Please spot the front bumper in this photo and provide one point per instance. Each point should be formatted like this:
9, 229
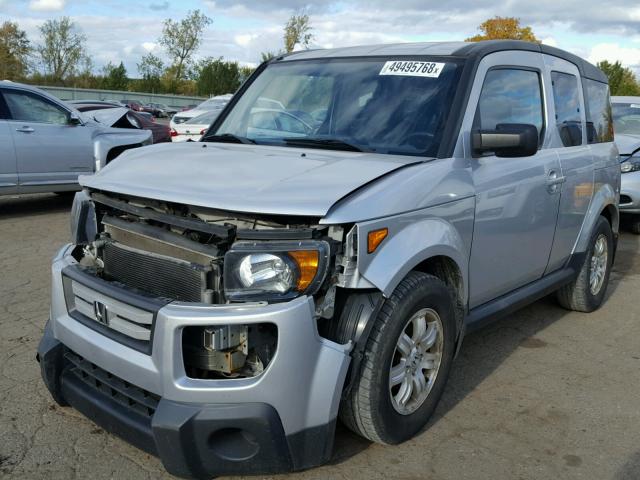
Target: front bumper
279, 421
630, 193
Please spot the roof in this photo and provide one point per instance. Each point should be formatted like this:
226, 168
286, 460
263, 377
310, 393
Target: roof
470, 50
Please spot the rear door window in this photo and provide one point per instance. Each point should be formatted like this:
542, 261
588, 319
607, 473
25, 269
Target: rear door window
599, 116
510, 96
566, 100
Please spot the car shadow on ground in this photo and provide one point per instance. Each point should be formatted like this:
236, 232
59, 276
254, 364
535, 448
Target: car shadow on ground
13, 206
485, 350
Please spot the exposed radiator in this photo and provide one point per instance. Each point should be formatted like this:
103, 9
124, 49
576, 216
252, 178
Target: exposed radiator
157, 274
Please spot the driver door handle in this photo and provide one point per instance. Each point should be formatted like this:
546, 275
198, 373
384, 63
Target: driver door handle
25, 129
553, 180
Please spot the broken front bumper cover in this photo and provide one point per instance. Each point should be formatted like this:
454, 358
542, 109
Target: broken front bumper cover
281, 420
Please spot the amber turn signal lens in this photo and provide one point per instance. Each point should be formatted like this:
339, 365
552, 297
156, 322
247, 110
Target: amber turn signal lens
307, 262
375, 238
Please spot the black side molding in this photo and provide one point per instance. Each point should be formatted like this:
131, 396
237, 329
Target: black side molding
491, 311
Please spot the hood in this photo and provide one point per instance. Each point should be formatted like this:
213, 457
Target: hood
627, 144
106, 116
244, 178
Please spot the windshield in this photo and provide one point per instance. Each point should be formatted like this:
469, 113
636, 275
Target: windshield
379, 105
626, 118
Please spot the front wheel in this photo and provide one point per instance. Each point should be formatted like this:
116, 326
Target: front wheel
586, 292
406, 362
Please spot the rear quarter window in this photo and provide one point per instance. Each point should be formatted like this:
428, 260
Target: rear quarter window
566, 99
599, 116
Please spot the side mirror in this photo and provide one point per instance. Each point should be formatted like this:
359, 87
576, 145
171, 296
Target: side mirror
507, 140
74, 119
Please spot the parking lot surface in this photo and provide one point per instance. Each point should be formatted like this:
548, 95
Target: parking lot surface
544, 393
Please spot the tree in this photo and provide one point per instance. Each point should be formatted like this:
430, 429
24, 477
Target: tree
151, 68
15, 49
265, 56
245, 72
503, 28
86, 78
62, 49
622, 81
297, 31
182, 38
216, 76
115, 77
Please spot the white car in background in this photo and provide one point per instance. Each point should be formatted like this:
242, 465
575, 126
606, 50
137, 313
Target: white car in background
194, 128
214, 103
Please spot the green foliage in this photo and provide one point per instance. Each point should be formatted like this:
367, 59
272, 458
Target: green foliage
245, 72
622, 81
151, 68
266, 56
503, 28
115, 77
181, 39
216, 76
15, 50
297, 31
62, 49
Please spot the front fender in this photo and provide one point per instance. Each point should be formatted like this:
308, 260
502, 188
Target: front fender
443, 230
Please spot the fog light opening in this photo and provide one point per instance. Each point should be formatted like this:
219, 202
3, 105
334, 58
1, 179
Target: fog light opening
228, 351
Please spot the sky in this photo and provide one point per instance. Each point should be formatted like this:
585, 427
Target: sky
125, 30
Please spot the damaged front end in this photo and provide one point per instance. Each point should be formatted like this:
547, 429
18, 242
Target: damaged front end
195, 255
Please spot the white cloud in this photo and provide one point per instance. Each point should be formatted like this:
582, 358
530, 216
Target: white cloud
245, 40
628, 56
550, 41
149, 46
46, 5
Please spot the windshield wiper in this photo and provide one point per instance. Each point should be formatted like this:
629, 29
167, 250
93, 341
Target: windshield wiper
229, 138
321, 142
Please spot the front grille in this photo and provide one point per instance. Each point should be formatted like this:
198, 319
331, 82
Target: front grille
126, 319
134, 398
156, 274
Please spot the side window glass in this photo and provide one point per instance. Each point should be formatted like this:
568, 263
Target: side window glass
510, 96
599, 116
567, 103
31, 108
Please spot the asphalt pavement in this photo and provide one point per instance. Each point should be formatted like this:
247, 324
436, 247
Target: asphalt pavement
543, 394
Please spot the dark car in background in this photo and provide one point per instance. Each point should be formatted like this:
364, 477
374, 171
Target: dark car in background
154, 110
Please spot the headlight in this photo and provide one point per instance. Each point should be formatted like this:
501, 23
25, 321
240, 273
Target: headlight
274, 270
84, 226
630, 164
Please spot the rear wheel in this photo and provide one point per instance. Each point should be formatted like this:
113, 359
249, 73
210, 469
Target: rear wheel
634, 224
406, 362
586, 292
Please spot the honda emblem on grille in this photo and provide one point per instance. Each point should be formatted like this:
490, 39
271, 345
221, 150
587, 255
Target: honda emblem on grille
101, 312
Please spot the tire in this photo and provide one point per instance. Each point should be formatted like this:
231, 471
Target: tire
634, 225
578, 295
368, 408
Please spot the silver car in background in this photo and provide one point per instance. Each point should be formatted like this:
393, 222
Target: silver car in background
626, 120
46, 144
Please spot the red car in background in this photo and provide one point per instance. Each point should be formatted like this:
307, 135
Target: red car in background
133, 105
